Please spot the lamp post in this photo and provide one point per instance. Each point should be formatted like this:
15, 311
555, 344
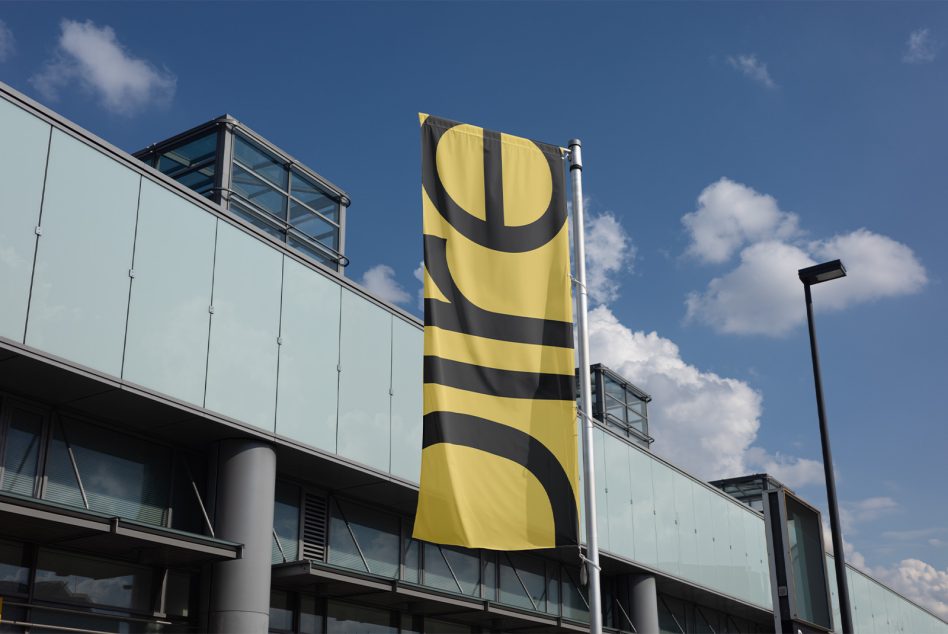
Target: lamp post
810, 276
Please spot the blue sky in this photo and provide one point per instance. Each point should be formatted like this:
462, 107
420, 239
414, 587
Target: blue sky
725, 146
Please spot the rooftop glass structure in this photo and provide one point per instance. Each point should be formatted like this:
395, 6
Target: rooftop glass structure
258, 182
749, 489
620, 406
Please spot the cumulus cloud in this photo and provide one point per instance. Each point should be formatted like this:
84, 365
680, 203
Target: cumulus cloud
609, 252
729, 215
792, 471
419, 274
752, 68
92, 57
380, 281
919, 581
762, 294
701, 421
7, 42
920, 47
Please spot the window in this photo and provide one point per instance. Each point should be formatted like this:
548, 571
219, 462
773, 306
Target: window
14, 569
121, 475
77, 579
193, 163
21, 449
286, 522
363, 539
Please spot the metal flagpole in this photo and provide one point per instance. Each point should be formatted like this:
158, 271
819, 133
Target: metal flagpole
582, 349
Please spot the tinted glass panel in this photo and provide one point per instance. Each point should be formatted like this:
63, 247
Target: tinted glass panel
522, 581
70, 578
14, 569
200, 180
377, 534
260, 161
313, 225
189, 154
407, 347
257, 219
311, 617
343, 618
166, 347
437, 573
21, 189
80, 290
286, 521
281, 612
258, 192
806, 564
122, 475
21, 450
307, 191
312, 251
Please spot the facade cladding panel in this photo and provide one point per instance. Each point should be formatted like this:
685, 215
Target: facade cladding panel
198, 330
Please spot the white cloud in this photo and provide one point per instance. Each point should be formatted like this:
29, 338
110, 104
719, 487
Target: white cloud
609, 252
380, 281
762, 295
701, 421
752, 68
730, 215
919, 581
93, 57
920, 47
792, 471
7, 42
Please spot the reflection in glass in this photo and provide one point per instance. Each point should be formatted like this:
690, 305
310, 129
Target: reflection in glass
14, 569
122, 475
376, 538
184, 157
344, 618
311, 618
281, 612
70, 578
21, 451
806, 563
260, 161
286, 521
258, 192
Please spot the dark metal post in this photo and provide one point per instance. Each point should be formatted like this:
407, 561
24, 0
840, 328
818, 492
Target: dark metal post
839, 558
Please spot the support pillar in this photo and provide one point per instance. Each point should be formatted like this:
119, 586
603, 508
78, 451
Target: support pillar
638, 598
243, 488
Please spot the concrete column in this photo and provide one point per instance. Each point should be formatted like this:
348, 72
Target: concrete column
638, 596
243, 488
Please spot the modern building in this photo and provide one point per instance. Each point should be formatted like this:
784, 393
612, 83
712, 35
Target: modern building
204, 426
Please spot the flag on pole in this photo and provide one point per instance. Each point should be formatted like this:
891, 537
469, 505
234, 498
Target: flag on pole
499, 461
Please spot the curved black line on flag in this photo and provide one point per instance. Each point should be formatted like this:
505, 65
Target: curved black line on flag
462, 315
502, 383
492, 233
516, 446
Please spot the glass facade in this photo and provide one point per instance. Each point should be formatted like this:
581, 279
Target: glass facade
620, 406
257, 183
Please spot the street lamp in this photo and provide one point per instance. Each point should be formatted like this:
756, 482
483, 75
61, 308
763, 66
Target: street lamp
810, 276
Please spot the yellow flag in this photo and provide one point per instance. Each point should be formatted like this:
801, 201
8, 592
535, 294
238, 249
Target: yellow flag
499, 463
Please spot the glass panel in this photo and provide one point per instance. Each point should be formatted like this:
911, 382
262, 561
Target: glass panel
80, 289
377, 535
311, 250
522, 578
242, 364
621, 531
643, 511
407, 343
687, 533
343, 618
21, 450
309, 357
412, 550
705, 573
575, 606
200, 180
602, 501
166, 347
466, 567
21, 191
70, 578
806, 563
364, 382
437, 573
188, 154
314, 226
186, 513
122, 475
286, 522
256, 218
260, 161
738, 567
281, 612
178, 593
666, 523
307, 191
258, 192
311, 616
342, 547
14, 569
444, 627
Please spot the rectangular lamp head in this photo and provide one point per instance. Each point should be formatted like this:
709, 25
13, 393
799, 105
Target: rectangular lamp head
822, 272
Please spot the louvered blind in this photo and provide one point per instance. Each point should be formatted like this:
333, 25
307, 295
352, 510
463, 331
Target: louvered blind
315, 525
